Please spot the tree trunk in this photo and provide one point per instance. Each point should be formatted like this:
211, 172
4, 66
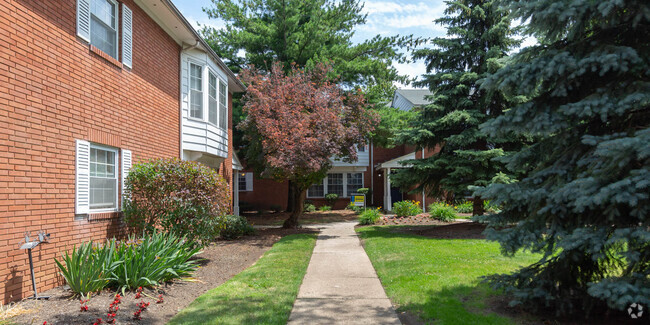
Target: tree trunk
298, 200
290, 197
478, 209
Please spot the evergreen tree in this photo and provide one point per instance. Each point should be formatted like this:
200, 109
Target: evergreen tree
304, 33
584, 201
478, 34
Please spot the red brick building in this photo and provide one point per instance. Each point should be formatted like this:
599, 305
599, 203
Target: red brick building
87, 88
371, 170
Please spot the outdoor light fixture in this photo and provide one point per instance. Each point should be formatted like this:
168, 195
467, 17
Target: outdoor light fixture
29, 245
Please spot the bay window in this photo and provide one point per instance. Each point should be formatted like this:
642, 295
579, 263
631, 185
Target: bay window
223, 105
196, 91
212, 99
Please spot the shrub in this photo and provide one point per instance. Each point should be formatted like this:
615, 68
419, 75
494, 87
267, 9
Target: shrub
406, 208
88, 268
325, 208
363, 190
137, 262
465, 207
235, 227
354, 208
308, 207
331, 198
490, 208
152, 260
443, 212
369, 217
183, 197
276, 207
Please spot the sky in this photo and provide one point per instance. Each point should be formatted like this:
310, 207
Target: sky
385, 17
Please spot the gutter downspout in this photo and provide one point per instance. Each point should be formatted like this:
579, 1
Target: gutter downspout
372, 174
424, 198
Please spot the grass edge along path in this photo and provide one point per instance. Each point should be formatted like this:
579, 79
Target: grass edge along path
438, 279
262, 294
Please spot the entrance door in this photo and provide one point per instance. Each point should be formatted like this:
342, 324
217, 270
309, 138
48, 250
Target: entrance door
396, 195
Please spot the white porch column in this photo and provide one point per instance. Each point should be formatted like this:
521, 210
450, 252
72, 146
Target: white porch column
235, 194
388, 204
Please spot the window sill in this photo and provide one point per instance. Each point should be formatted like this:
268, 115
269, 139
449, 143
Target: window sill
196, 119
103, 215
217, 126
105, 56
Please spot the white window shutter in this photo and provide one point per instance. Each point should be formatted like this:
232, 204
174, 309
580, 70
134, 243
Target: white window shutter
82, 190
83, 19
249, 182
127, 36
127, 162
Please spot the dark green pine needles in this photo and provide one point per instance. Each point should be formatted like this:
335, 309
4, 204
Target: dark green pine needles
584, 201
478, 35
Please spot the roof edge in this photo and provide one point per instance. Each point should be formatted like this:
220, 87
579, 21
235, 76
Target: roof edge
204, 44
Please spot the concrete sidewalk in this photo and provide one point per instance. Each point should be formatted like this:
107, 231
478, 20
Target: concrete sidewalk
341, 286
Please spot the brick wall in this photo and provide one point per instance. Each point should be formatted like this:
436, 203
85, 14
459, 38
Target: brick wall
53, 90
266, 192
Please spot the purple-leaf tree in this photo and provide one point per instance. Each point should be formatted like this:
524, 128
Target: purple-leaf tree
296, 121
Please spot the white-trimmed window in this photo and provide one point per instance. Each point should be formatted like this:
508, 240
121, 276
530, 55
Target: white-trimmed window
103, 178
316, 190
354, 181
98, 177
223, 105
196, 91
212, 99
103, 26
343, 184
361, 148
335, 184
245, 182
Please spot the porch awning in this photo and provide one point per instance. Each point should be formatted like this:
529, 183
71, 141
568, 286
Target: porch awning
236, 164
395, 163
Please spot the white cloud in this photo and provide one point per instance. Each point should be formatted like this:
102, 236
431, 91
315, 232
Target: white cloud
205, 21
387, 16
413, 70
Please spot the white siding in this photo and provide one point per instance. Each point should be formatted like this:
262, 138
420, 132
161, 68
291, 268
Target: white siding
401, 103
200, 136
364, 160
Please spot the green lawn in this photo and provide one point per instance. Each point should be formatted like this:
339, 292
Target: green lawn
438, 279
262, 294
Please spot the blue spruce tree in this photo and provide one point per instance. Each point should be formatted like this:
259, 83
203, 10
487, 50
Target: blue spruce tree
584, 200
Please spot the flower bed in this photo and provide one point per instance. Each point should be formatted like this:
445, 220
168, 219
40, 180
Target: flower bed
420, 219
221, 261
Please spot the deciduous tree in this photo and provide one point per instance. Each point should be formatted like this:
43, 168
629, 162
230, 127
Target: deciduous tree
296, 121
305, 32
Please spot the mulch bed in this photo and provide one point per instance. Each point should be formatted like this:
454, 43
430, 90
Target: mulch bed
308, 218
456, 230
223, 260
